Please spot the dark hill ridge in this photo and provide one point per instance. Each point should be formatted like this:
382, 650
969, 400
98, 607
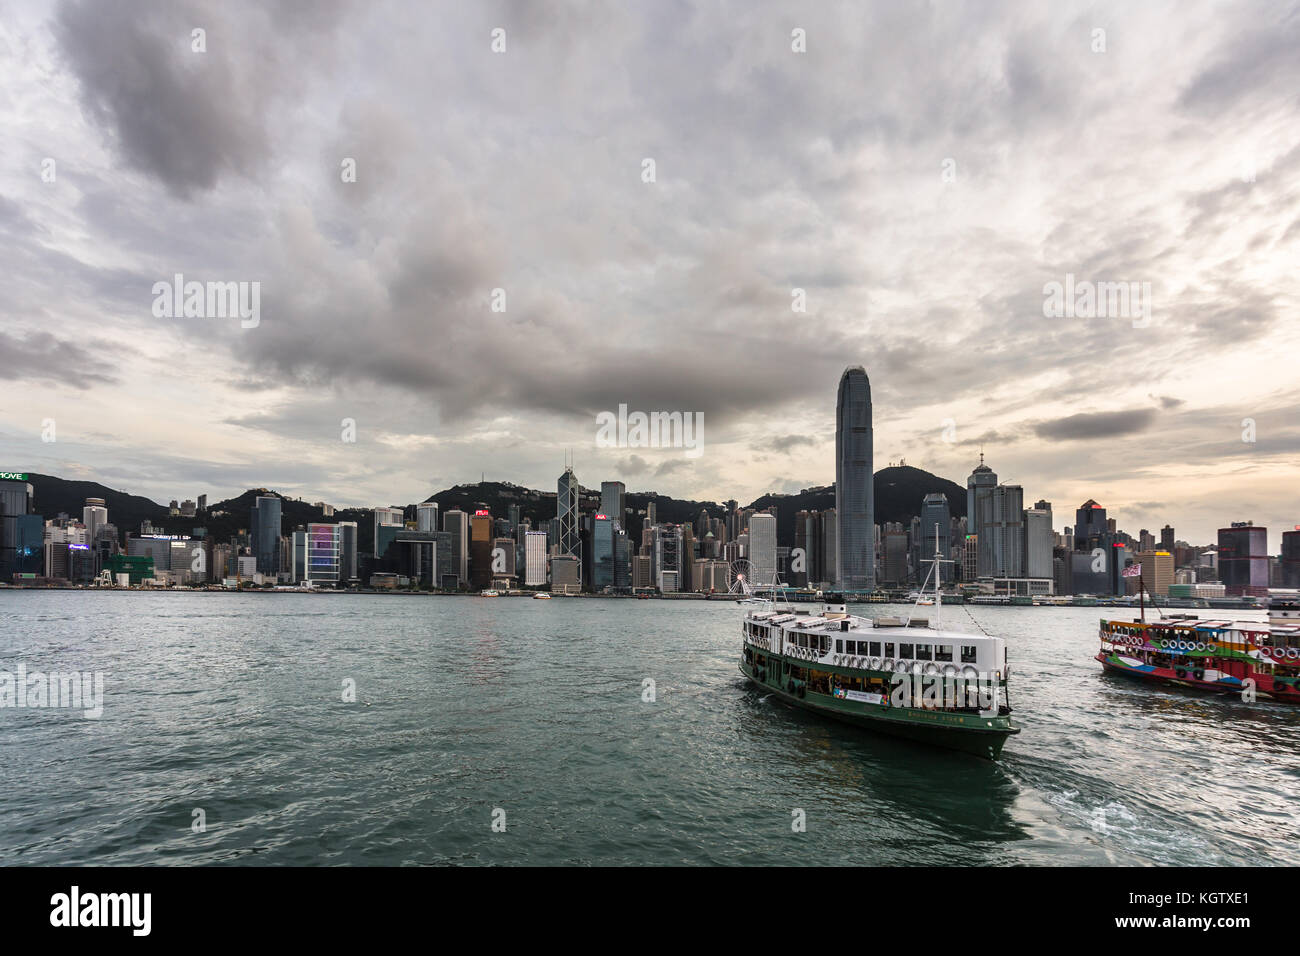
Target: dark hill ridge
497, 497
899, 492
55, 496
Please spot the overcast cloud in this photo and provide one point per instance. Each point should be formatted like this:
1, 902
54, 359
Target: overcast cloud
921, 172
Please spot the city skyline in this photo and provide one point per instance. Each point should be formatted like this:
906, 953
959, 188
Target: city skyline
920, 250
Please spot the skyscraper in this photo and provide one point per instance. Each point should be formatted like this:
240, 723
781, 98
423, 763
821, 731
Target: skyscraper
264, 533
667, 557
456, 523
854, 491
762, 549
480, 549
347, 551
1090, 525
613, 501
895, 564
934, 511
94, 515
602, 552
1038, 541
981, 481
426, 516
534, 558
1243, 559
1291, 558
566, 510
1002, 533
385, 518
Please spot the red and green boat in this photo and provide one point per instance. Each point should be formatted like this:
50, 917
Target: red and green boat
1248, 659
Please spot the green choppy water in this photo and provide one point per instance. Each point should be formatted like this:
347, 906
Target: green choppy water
232, 704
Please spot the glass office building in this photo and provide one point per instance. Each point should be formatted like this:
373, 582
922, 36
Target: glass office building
854, 489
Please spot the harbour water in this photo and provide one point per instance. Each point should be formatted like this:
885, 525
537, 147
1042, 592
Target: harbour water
233, 705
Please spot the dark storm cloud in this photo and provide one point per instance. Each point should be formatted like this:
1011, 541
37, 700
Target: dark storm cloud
1092, 425
42, 356
173, 113
185, 117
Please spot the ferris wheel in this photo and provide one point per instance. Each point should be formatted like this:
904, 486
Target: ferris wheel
742, 577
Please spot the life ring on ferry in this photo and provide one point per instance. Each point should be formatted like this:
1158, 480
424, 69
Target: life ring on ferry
950, 670
970, 672
900, 667
874, 664
931, 668
1198, 674
887, 664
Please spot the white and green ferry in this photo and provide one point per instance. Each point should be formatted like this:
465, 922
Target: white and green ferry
898, 676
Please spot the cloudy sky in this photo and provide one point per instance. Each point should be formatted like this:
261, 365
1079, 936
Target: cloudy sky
920, 171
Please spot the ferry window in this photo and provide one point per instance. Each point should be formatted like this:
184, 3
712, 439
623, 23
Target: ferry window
875, 648
904, 650
889, 649
922, 652
943, 652
968, 654
839, 647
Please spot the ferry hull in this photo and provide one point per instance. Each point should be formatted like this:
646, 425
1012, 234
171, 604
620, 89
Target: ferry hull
1168, 678
949, 731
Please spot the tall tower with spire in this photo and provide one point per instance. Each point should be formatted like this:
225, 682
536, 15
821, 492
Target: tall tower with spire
981, 482
855, 501
566, 510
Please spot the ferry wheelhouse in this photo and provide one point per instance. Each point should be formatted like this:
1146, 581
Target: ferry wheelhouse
898, 676
1219, 656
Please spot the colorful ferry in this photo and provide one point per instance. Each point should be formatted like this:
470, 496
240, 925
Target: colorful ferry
1219, 656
